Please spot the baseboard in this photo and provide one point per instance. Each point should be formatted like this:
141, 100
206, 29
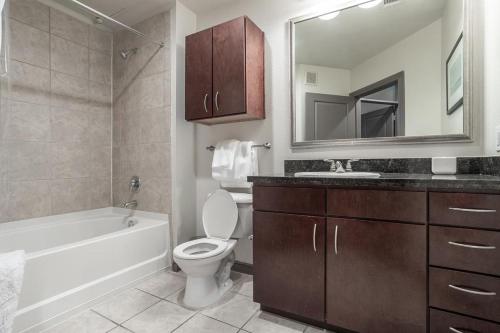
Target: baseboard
242, 267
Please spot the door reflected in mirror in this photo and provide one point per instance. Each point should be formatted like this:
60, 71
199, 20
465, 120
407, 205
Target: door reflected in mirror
391, 70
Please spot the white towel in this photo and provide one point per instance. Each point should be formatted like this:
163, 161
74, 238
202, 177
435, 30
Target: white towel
223, 161
245, 164
11, 279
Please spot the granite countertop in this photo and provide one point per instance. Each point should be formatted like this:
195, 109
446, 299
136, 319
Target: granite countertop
465, 182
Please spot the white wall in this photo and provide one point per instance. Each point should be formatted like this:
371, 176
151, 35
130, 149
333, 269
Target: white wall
452, 26
419, 56
183, 216
332, 81
272, 17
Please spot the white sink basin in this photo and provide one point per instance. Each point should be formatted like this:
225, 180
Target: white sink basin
329, 174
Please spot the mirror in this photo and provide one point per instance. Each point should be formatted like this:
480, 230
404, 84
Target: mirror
380, 71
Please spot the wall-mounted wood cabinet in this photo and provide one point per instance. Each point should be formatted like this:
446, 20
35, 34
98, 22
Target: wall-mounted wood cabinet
225, 73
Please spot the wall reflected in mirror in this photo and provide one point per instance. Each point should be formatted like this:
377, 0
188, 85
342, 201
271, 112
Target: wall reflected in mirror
395, 69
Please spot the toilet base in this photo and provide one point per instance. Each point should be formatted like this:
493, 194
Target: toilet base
204, 291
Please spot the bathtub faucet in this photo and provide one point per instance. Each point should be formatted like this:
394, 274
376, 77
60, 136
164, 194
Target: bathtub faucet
130, 204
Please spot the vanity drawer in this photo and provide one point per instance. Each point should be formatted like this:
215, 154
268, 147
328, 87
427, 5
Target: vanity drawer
465, 249
293, 200
375, 204
465, 209
441, 321
467, 293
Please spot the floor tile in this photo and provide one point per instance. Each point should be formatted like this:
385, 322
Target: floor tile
87, 322
203, 324
125, 305
264, 322
177, 297
233, 309
120, 329
243, 284
162, 317
162, 284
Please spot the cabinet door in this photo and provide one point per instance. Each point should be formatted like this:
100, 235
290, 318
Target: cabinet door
199, 75
376, 276
229, 68
289, 263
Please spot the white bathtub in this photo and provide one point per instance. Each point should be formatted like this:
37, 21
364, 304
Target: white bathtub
74, 259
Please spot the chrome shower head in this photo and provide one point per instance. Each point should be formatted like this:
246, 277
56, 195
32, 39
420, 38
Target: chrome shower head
126, 52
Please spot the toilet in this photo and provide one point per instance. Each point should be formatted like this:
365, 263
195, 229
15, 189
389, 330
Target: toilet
207, 261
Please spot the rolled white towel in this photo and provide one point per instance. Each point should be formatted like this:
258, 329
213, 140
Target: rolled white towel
11, 280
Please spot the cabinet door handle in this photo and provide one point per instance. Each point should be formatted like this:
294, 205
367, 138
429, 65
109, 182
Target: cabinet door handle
473, 246
217, 101
473, 291
461, 330
472, 210
205, 103
336, 239
314, 237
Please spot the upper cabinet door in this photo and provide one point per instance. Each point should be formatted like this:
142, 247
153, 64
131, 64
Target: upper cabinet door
199, 75
229, 68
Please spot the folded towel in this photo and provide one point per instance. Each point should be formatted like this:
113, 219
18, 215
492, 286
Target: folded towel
245, 164
223, 161
11, 279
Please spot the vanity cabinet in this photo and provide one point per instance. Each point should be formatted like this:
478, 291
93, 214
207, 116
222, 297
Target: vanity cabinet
289, 257
464, 257
225, 73
376, 276
343, 258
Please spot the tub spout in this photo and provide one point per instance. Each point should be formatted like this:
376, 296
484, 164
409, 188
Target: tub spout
130, 204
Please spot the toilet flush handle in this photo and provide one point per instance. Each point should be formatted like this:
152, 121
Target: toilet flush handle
250, 237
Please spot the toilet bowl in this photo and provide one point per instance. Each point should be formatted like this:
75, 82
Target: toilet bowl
207, 261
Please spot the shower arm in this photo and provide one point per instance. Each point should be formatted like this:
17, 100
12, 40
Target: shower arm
102, 15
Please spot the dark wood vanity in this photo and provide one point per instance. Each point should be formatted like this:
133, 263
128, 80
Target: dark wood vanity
375, 259
225, 73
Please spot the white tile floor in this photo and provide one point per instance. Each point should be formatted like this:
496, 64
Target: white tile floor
155, 305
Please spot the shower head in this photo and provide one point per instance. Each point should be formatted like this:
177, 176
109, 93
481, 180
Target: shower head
126, 52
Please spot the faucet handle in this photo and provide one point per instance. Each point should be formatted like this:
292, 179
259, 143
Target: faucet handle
348, 166
333, 167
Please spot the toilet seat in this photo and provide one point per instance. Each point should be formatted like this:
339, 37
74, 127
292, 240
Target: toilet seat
220, 216
200, 249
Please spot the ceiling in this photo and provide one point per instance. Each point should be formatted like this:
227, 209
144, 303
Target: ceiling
357, 34
132, 12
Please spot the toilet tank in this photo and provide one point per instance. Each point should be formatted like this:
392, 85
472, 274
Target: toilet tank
244, 225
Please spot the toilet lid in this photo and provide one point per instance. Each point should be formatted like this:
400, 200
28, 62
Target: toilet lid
220, 215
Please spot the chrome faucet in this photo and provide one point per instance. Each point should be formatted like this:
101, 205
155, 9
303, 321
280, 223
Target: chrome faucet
335, 166
130, 204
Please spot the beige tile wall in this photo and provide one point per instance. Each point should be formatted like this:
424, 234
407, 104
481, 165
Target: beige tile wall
141, 116
55, 116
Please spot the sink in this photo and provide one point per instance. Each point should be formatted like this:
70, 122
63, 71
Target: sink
329, 174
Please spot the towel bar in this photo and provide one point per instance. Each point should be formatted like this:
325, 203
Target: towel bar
266, 145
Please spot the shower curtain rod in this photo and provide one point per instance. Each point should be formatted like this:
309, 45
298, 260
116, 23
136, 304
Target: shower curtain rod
102, 15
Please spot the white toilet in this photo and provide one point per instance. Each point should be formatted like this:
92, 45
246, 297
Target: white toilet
207, 261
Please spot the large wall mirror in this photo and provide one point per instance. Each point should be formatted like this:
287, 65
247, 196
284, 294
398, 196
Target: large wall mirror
381, 71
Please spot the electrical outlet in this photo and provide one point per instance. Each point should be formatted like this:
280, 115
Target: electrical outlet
497, 135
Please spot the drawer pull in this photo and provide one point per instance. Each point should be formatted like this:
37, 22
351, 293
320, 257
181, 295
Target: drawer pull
336, 238
461, 330
314, 237
473, 246
473, 291
473, 210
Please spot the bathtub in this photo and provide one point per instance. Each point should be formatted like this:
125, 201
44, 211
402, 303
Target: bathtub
75, 259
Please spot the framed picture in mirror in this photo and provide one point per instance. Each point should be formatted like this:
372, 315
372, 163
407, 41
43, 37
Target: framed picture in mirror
455, 77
